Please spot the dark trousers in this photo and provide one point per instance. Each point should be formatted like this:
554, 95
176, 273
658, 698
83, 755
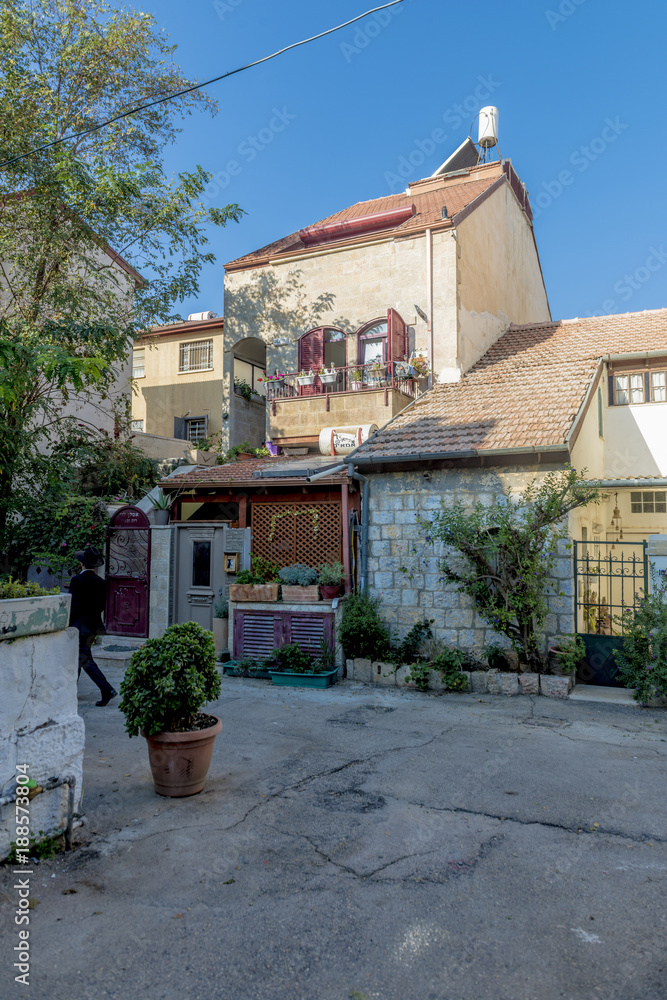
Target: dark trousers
87, 663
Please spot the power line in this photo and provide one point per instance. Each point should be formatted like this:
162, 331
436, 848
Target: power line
198, 86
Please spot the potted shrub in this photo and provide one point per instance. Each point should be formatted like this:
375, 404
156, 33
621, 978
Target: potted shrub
252, 586
221, 624
565, 657
305, 378
299, 583
291, 665
161, 507
331, 580
356, 378
165, 686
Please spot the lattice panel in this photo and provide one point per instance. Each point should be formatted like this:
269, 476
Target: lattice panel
290, 533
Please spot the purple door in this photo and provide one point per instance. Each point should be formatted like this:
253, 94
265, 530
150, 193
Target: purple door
128, 569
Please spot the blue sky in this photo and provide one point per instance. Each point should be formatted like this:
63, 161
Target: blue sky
579, 85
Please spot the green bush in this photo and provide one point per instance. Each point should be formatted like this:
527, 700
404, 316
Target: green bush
410, 648
298, 575
12, 588
571, 651
292, 659
450, 663
246, 576
331, 576
643, 660
221, 608
266, 569
169, 679
363, 631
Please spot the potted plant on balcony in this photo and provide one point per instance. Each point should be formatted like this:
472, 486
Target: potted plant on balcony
252, 586
328, 376
165, 686
299, 583
306, 378
221, 624
161, 507
331, 580
356, 378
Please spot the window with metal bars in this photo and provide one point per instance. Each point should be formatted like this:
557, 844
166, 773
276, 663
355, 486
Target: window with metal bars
648, 502
196, 428
195, 356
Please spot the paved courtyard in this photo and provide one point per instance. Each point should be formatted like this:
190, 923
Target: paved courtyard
367, 844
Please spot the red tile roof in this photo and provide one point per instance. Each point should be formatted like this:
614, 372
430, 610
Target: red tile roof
242, 473
428, 196
524, 393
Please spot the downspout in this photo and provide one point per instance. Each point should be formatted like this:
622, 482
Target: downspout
365, 502
429, 298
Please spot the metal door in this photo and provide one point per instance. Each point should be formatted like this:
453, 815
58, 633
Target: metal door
128, 573
200, 567
610, 577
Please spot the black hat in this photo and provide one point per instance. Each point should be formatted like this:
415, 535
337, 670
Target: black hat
90, 557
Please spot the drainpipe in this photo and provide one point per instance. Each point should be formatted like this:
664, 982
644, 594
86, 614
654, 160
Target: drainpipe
429, 298
70, 780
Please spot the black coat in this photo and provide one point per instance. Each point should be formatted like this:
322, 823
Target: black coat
88, 592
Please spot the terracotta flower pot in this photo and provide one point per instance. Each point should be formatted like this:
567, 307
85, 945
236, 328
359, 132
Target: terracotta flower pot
330, 590
180, 761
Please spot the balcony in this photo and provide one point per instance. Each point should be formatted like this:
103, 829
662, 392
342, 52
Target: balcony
300, 407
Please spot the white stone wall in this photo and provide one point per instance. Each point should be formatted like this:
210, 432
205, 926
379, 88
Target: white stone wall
40, 726
161, 581
404, 571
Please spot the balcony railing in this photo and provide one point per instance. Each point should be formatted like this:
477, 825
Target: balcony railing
399, 375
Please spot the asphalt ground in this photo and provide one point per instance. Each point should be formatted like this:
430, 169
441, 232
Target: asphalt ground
356, 843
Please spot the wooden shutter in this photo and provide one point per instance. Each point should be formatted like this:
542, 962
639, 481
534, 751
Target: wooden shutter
610, 384
397, 336
307, 632
179, 428
311, 355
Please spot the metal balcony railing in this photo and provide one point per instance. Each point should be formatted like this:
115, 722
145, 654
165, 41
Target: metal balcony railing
399, 375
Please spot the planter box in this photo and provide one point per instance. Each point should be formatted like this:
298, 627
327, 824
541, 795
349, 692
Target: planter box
297, 595
305, 379
234, 671
253, 591
356, 386
284, 678
555, 687
329, 379
33, 615
529, 683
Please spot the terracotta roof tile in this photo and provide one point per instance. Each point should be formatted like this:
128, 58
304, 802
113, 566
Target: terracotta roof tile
235, 473
525, 392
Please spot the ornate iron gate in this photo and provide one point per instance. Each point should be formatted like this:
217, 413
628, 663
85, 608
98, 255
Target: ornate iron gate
610, 577
128, 572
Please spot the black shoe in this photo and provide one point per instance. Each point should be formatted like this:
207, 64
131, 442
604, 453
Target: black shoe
106, 698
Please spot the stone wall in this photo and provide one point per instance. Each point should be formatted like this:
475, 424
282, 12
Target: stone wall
403, 570
39, 722
161, 582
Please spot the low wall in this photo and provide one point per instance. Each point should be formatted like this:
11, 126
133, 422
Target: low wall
39, 722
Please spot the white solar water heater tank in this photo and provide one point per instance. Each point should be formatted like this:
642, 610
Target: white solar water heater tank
488, 127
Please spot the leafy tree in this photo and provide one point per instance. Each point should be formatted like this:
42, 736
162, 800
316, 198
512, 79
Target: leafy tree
96, 243
508, 549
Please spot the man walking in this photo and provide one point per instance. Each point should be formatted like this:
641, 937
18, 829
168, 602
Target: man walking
88, 593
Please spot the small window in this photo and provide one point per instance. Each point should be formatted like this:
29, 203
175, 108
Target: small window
139, 363
196, 356
658, 387
196, 429
648, 502
138, 426
201, 564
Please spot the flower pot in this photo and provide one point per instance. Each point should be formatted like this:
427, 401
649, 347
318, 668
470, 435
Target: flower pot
330, 590
305, 379
180, 761
356, 385
161, 516
295, 594
284, 678
220, 633
329, 379
555, 668
253, 591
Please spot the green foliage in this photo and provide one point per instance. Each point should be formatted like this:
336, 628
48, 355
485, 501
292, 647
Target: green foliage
161, 501
247, 576
298, 575
242, 388
265, 569
43, 847
331, 576
245, 448
363, 631
643, 660
411, 645
57, 525
571, 651
290, 658
450, 663
419, 675
221, 608
169, 679
106, 465
508, 549
13, 588
496, 656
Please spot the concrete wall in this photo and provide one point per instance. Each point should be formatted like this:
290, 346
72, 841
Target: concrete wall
249, 419
500, 281
39, 721
396, 541
164, 392
162, 580
161, 448
305, 416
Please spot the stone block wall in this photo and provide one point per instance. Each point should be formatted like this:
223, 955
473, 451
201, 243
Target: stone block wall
161, 581
404, 572
39, 726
